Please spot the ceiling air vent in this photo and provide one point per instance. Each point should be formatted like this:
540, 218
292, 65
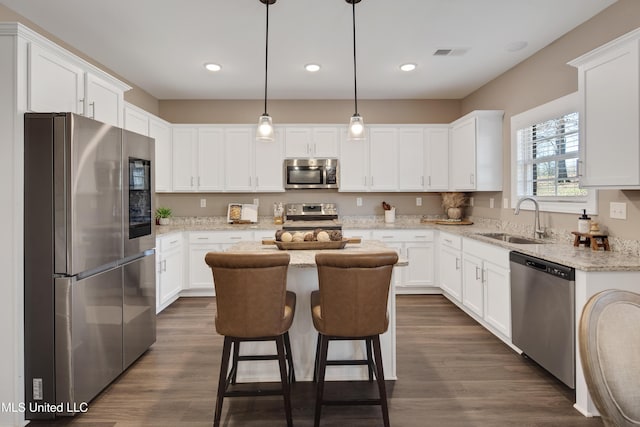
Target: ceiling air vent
451, 52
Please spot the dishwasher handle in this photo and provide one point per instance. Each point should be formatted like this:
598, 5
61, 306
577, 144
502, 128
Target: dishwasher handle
536, 265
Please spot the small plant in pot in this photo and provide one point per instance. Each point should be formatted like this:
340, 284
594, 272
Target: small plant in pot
453, 204
162, 216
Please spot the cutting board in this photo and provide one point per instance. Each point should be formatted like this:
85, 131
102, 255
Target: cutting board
239, 213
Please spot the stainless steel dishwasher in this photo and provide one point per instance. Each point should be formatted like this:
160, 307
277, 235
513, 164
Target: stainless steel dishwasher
543, 314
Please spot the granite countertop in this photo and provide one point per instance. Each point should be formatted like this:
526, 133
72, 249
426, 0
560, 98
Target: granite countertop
307, 258
558, 247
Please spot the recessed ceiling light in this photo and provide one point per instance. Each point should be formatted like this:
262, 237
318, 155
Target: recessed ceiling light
516, 46
408, 67
212, 67
312, 68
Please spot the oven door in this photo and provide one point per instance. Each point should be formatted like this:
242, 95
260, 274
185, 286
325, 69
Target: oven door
139, 224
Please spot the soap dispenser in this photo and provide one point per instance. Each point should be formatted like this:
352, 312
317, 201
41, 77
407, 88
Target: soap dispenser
584, 222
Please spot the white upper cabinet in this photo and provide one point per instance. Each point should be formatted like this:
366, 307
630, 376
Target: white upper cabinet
383, 158
411, 150
209, 159
136, 120
354, 165
103, 101
476, 152
252, 165
197, 157
161, 132
301, 142
609, 86
59, 81
55, 83
436, 151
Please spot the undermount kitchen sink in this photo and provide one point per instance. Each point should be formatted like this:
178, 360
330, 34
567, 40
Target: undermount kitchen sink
510, 238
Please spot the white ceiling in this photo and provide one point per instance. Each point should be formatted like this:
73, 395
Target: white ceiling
161, 45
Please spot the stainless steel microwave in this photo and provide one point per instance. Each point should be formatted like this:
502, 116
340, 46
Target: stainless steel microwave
310, 173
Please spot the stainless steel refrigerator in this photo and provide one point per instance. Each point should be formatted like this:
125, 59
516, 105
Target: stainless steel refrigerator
89, 258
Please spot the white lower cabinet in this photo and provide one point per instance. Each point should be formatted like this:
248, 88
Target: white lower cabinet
450, 265
486, 291
200, 243
417, 246
170, 277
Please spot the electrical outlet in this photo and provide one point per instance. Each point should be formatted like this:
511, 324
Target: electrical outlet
358, 201
256, 202
418, 201
203, 203
617, 210
492, 202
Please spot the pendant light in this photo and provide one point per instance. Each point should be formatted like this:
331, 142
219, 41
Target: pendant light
265, 124
355, 131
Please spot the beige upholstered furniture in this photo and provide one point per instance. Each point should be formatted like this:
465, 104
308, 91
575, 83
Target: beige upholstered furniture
610, 355
252, 305
351, 304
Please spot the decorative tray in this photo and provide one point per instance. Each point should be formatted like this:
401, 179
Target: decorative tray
338, 244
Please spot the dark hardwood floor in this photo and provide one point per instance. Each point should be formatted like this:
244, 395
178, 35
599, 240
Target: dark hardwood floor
451, 371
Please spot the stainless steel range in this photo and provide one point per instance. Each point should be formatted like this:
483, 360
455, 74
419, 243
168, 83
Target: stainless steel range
309, 216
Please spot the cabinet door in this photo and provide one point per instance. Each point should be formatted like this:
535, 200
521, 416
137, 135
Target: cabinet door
161, 132
104, 101
136, 121
210, 159
472, 285
383, 159
297, 142
354, 165
184, 149
325, 142
463, 155
238, 150
609, 126
268, 164
54, 83
498, 298
420, 270
200, 275
437, 159
451, 272
411, 159
171, 275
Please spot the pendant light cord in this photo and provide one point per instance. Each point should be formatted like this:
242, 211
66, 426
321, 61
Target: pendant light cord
266, 59
355, 81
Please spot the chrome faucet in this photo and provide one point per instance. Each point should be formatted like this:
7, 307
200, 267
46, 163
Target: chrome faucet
538, 232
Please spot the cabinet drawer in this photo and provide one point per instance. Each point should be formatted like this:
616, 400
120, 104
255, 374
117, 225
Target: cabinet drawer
403, 235
488, 252
169, 241
451, 240
205, 237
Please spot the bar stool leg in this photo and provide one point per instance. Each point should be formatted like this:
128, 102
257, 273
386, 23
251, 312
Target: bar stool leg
381, 385
283, 378
234, 363
369, 344
287, 347
317, 361
322, 367
222, 380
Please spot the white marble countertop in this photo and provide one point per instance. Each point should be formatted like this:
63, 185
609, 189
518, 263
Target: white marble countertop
307, 258
557, 248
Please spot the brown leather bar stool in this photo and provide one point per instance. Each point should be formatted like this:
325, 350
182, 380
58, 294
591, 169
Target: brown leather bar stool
253, 304
351, 304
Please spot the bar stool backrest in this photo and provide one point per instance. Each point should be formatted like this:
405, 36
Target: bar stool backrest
354, 289
250, 293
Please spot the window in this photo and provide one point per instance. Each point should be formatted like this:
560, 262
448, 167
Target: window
545, 157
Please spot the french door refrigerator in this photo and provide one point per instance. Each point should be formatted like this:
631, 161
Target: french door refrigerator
89, 259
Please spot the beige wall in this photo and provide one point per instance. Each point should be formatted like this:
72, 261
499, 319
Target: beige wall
136, 95
310, 111
542, 78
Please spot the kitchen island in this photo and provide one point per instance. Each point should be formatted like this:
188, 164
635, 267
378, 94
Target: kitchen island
302, 278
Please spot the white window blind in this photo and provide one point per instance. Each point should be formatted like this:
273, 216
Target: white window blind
547, 159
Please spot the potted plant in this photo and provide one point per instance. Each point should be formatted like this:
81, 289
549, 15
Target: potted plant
162, 216
453, 204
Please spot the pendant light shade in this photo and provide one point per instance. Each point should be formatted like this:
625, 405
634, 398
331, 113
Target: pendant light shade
265, 124
355, 131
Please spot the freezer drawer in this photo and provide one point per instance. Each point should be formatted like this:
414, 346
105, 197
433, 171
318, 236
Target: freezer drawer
139, 310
